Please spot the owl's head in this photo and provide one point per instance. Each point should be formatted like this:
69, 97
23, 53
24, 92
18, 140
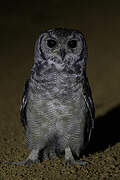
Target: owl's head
62, 49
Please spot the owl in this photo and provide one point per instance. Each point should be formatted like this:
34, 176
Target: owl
57, 109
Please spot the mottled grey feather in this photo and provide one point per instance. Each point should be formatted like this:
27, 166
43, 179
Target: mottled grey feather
90, 105
57, 109
23, 105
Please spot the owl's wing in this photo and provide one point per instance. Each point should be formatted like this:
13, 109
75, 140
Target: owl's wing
23, 105
90, 105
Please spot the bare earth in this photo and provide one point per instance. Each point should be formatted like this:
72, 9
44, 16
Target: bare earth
20, 25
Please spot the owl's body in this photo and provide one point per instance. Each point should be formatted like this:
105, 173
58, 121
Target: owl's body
57, 110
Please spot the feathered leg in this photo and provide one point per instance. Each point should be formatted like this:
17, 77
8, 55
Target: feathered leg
69, 159
32, 158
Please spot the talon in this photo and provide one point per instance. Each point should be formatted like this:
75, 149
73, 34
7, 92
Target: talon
69, 159
25, 162
69, 162
80, 162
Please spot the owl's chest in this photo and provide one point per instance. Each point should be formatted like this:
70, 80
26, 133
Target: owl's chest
56, 101
57, 93
58, 85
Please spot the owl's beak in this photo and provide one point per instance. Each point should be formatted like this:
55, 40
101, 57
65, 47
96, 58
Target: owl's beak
62, 53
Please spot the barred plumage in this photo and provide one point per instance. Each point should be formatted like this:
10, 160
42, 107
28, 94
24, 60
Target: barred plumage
57, 109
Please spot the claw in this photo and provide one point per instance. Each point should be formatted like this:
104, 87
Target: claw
69, 159
80, 162
69, 162
25, 162
32, 158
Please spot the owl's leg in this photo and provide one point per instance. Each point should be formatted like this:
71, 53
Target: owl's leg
49, 153
52, 154
45, 155
69, 159
32, 158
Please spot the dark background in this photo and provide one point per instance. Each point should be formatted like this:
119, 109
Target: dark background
20, 25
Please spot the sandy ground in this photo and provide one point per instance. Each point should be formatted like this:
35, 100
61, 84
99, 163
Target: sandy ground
20, 25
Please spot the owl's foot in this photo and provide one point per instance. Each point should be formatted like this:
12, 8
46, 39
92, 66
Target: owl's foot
25, 162
69, 159
81, 162
52, 154
49, 154
32, 158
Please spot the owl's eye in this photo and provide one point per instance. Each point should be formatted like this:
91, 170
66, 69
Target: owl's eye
72, 44
51, 43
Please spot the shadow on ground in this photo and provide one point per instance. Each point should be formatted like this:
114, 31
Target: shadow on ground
106, 132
